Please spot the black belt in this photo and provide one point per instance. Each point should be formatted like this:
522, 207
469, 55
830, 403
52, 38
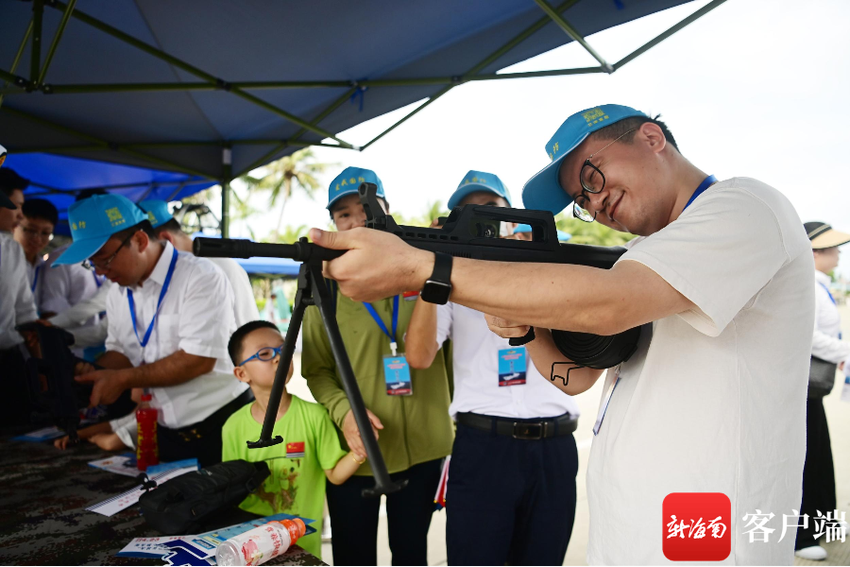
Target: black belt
537, 428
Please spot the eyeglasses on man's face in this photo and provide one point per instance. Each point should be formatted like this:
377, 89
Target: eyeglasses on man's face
91, 264
34, 233
592, 181
265, 354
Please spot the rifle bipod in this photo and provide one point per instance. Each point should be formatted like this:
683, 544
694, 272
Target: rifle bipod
313, 291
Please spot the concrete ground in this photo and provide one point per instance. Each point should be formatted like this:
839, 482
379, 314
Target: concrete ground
838, 416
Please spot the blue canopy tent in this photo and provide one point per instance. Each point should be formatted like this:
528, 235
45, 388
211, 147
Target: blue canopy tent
59, 179
270, 266
217, 88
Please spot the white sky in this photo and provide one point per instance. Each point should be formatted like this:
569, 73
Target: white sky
756, 88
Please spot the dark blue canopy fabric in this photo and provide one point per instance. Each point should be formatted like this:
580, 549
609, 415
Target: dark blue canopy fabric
223, 42
59, 179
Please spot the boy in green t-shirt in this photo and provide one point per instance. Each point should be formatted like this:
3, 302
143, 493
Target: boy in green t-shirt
310, 450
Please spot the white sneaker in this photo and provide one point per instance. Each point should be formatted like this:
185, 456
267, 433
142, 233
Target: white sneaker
813, 553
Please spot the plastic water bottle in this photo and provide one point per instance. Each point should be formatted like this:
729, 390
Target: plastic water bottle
147, 448
257, 546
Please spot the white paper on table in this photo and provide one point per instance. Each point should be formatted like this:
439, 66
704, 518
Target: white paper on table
117, 503
44, 434
148, 547
117, 465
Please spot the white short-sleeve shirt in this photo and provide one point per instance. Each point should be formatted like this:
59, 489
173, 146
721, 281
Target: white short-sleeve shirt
16, 303
245, 308
475, 365
196, 316
64, 286
714, 400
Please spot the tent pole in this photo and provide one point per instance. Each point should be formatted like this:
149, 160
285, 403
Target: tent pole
106, 145
55, 43
294, 140
158, 53
17, 60
35, 57
573, 33
522, 36
227, 169
661, 37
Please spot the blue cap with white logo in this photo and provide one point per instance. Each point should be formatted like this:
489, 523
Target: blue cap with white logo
349, 181
479, 181
562, 236
94, 220
544, 191
157, 211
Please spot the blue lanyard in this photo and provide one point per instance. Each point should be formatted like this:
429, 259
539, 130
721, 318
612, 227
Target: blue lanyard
377, 318
706, 183
35, 278
832, 299
96, 279
144, 342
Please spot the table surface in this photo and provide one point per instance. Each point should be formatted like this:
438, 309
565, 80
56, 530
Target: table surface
44, 493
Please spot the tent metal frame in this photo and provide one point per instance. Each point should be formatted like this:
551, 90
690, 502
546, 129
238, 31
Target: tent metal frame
12, 84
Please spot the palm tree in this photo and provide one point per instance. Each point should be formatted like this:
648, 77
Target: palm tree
298, 169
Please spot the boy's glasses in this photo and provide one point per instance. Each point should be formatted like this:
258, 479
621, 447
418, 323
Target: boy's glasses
265, 354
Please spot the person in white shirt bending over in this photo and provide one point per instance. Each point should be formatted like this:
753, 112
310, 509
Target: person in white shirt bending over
514, 456
170, 318
167, 228
720, 281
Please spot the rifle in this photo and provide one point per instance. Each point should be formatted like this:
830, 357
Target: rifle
470, 232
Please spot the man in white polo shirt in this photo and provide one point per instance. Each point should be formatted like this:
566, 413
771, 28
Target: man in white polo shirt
514, 457
170, 318
713, 400
167, 228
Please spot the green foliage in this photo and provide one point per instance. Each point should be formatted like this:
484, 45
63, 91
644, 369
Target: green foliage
433, 210
297, 170
591, 232
289, 234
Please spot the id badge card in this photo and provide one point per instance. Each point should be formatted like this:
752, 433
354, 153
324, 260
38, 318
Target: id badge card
512, 366
397, 376
606, 400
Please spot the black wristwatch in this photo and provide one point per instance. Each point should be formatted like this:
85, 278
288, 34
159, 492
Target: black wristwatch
439, 286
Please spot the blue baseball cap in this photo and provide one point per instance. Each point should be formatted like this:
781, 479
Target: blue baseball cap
94, 220
349, 181
479, 181
543, 191
562, 236
157, 211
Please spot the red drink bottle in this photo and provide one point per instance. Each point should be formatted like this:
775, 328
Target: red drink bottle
147, 449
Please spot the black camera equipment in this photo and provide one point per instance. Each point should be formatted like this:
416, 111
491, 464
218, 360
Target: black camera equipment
470, 232
50, 377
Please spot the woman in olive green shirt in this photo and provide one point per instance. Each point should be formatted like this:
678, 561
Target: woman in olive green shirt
414, 431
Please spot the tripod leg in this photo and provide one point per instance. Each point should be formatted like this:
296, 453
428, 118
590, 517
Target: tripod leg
322, 299
286, 353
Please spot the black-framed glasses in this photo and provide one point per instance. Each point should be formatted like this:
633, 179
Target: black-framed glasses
90, 264
592, 181
265, 354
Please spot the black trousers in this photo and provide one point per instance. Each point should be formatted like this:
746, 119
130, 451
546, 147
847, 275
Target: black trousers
200, 440
354, 519
818, 473
15, 404
510, 501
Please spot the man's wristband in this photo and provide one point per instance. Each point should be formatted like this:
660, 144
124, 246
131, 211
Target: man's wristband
438, 287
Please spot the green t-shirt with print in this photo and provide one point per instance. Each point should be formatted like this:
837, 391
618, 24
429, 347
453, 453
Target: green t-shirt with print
296, 484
